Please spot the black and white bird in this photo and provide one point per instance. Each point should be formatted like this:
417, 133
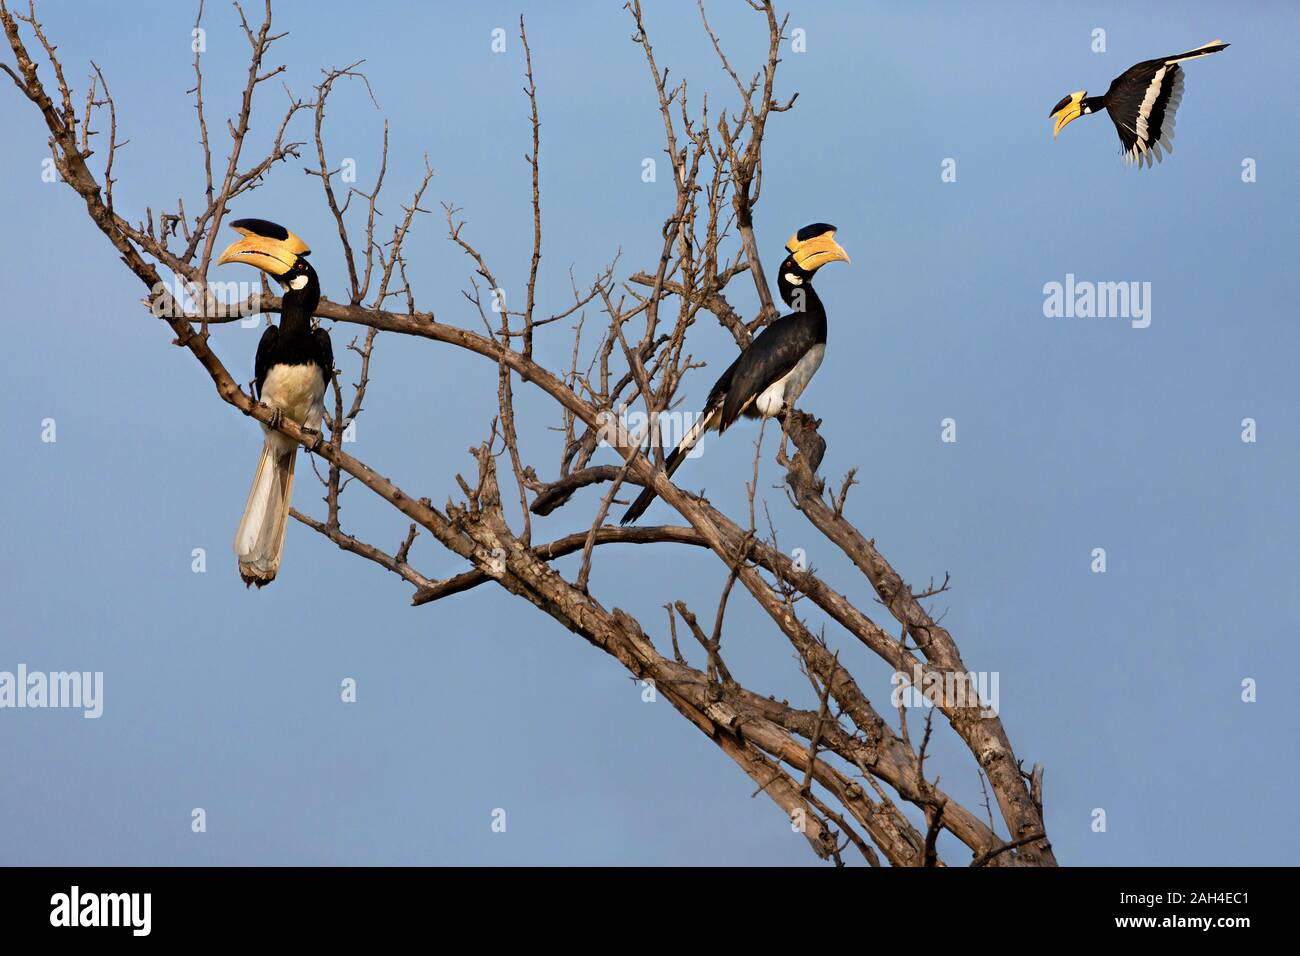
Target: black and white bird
769, 376
294, 365
1141, 102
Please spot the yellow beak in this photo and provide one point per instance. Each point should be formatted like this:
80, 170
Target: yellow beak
812, 254
273, 256
1069, 110
1065, 117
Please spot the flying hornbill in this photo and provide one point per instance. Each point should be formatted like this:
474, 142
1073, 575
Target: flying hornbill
1141, 102
293, 366
768, 376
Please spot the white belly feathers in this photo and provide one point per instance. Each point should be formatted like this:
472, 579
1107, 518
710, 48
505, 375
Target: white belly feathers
298, 391
786, 390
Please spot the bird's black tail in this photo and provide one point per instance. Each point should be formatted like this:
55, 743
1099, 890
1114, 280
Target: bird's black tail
1214, 46
674, 460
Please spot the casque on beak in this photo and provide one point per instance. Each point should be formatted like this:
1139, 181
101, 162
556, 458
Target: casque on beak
1067, 111
811, 254
271, 248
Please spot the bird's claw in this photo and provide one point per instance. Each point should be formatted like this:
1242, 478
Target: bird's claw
313, 438
277, 415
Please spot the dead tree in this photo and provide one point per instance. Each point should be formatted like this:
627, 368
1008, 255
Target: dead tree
836, 766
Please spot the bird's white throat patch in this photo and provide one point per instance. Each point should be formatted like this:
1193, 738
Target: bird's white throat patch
298, 283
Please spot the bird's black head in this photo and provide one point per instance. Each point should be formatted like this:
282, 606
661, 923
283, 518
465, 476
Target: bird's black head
277, 252
808, 250
301, 282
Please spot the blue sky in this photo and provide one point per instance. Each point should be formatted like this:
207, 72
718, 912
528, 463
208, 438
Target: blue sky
1073, 434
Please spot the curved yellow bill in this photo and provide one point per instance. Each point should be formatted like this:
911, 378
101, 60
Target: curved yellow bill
273, 256
812, 254
1067, 111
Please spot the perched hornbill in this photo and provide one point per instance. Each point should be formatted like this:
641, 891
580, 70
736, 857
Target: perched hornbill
773, 371
294, 364
1141, 102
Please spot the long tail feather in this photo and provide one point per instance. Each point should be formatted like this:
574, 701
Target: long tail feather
259, 542
1214, 46
706, 421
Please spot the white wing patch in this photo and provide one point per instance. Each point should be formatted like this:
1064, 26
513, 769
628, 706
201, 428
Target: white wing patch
1149, 101
1145, 148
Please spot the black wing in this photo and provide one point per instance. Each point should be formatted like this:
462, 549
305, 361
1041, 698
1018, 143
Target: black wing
265, 355
774, 353
324, 353
1141, 103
